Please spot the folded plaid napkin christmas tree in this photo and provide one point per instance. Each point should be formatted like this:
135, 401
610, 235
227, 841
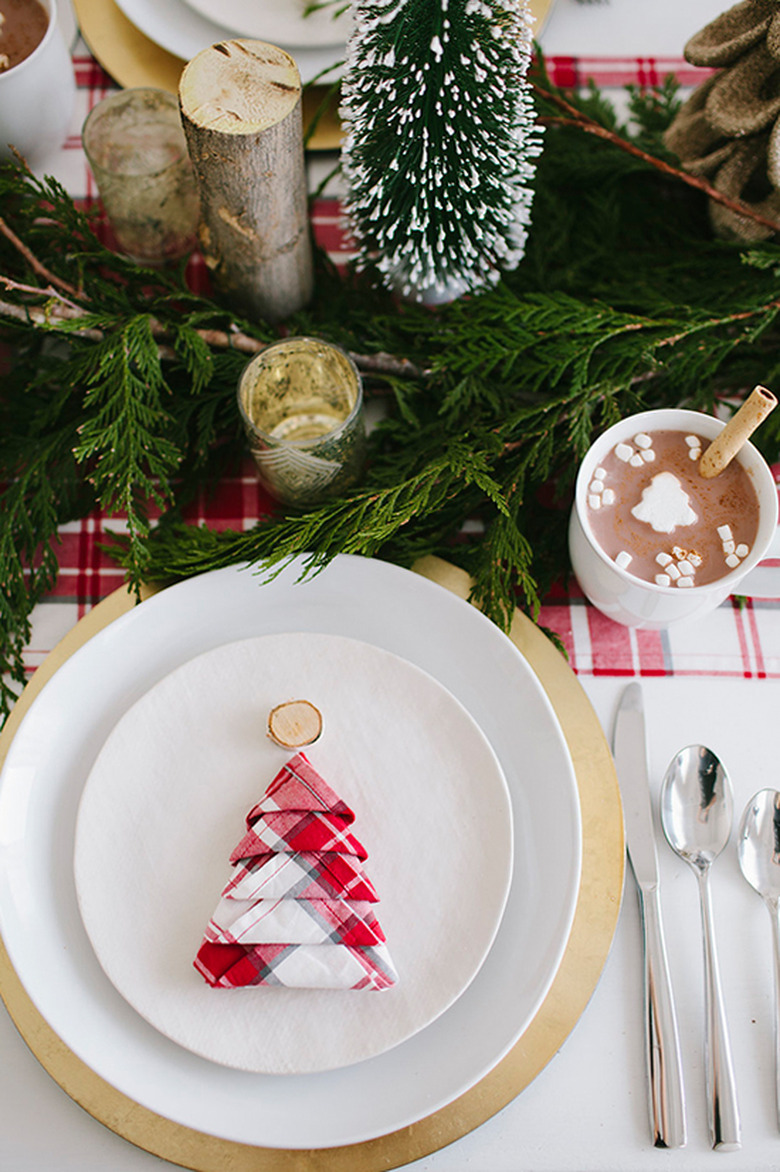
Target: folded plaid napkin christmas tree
299, 908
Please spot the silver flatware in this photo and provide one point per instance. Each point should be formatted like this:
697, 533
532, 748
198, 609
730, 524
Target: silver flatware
662, 1043
758, 850
697, 813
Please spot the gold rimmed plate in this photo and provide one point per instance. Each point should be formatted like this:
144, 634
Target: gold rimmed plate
575, 969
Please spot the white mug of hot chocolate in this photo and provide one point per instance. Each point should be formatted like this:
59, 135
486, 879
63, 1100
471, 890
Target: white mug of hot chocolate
622, 468
37, 95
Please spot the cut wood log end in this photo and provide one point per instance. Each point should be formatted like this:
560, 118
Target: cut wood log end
239, 87
294, 724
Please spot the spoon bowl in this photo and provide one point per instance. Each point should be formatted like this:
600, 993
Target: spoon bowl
758, 851
758, 845
697, 810
697, 807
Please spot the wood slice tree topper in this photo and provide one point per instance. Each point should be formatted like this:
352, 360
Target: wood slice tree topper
240, 104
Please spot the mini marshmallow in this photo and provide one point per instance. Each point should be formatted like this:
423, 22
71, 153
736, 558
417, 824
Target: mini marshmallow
663, 558
648, 455
693, 441
724, 532
663, 580
623, 559
608, 496
672, 571
636, 461
694, 559
732, 560
685, 567
624, 452
685, 581
694, 453
594, 501
679, 552
729, 547
642, 440
742, 550
597, 486
600, 474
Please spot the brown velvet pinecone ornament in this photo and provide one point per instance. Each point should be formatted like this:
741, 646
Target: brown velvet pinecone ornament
728, 131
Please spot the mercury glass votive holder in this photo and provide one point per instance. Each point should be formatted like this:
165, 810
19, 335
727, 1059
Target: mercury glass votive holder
301, 402
135, 145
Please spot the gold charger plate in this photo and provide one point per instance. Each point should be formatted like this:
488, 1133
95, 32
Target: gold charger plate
595, 919
133, 59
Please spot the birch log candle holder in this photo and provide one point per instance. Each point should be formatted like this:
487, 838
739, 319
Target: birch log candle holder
240, 105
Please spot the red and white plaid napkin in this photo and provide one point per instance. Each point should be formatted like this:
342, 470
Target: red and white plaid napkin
299, 909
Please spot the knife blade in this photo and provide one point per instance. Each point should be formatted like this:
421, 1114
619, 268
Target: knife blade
662, 1043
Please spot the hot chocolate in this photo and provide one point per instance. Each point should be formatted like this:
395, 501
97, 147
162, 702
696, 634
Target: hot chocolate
658, 519
23, 25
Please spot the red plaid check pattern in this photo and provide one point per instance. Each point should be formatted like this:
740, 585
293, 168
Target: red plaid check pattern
298, 830
302, 921
315, 930
302, 875
230, 966
299, 787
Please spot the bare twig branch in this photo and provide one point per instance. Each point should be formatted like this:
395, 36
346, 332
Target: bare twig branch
58, 309
34, 263
576, 118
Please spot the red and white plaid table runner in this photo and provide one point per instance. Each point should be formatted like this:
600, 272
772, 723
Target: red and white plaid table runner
741, 642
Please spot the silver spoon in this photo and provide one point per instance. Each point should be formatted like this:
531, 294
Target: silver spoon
696, 815
758, 849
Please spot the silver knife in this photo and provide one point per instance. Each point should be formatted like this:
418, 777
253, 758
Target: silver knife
664, 1069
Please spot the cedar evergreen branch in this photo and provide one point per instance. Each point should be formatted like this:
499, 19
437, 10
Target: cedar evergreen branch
120, 384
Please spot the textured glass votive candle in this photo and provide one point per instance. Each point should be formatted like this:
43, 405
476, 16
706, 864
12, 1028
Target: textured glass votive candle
135, 145
301, 402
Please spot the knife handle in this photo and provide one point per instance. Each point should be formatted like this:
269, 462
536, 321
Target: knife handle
662, 1042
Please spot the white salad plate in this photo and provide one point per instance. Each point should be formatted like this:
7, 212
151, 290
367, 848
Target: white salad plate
179, 29
281, 21
55, 748
165, 804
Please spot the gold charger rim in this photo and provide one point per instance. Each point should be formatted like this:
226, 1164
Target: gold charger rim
589, 943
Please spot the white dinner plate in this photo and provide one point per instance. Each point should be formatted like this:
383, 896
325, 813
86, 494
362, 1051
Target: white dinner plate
165, 803
174, 26
282, 22
57, 743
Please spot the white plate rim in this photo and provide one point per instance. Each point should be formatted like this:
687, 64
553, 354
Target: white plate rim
240, 661
182, 31
258, 19
358, 596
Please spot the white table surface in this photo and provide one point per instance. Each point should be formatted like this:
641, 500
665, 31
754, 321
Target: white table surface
587, 1111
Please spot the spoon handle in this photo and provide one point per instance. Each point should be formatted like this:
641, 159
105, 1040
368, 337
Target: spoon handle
774, 911
725, 1127
667, 1100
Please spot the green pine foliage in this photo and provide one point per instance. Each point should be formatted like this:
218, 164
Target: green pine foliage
118, 393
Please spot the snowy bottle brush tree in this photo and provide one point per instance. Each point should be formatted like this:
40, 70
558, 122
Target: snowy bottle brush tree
439, 141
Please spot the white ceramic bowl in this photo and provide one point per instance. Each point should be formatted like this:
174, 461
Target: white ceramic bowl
37, 96
622, 596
